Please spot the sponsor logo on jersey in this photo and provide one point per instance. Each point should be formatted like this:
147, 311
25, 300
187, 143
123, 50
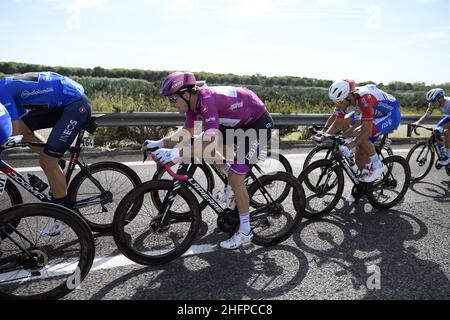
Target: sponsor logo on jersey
237, 106
365, 101
211, 119
82, 109
177, 84
27, 94
68, 131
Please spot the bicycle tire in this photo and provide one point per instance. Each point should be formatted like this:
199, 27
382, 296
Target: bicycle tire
314, 151
73, 222
303, 178
100, 224
298, 201
286, 165
14, 198
121, 237
417, 177
386, 176
13, 194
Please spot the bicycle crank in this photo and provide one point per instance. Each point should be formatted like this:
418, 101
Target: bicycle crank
229, 222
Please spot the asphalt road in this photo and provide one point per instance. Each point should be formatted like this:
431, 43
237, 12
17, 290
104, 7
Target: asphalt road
356, 252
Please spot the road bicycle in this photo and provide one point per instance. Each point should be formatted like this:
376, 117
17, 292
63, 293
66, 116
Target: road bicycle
169, 219
326, 182
383, 148
34, 266
94, 192
422, 156
204, 174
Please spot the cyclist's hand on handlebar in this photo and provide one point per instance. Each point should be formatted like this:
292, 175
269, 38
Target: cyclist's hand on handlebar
166, 156
152, 144
317, 138
415, 124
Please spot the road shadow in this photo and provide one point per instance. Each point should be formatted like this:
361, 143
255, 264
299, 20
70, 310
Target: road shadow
355, 238
260, 273
439, 192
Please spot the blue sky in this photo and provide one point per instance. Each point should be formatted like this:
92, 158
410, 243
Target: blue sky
378, 40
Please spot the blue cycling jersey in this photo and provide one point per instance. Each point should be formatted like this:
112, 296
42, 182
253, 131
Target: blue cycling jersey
43, 89
5, 125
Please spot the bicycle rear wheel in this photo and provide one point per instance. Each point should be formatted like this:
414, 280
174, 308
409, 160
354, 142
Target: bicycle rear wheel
273, 222
274, 162
392, 186
35, 266
116, 179
420, 159
152, 237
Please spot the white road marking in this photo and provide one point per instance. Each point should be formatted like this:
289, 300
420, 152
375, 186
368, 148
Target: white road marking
122, 261
99, 264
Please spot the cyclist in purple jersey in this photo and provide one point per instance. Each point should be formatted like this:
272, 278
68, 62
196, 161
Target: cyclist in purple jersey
222, 110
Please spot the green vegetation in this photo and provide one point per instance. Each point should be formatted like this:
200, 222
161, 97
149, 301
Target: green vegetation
114, 90
124, 90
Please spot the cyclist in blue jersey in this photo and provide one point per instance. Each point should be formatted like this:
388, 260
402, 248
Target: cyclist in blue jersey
5, 125
40, 100
437, 100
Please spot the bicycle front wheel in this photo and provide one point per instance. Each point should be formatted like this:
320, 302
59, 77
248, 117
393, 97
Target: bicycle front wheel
37, 266
324, 185
420, 159
273, 222
156, 235
115, 179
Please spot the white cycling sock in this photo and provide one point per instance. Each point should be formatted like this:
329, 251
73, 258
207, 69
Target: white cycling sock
244, 226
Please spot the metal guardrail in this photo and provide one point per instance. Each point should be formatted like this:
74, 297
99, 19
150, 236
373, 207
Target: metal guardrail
177, 119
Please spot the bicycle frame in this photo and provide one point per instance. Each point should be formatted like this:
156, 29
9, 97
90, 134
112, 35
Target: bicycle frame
431, 143
187, 171
337, 159
75, 152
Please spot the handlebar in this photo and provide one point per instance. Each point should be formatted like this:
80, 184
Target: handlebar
166, 166
336, 138
420, 126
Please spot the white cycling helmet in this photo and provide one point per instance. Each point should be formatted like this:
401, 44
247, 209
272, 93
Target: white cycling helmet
434, 94
340, 90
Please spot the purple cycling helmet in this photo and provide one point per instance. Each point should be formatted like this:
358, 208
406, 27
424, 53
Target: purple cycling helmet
177, 81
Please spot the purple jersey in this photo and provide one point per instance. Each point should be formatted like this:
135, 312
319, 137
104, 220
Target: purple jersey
233, 107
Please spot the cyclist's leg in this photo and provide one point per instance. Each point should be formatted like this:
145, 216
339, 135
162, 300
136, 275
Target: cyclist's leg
36, 120
259, 134
444, 128
73, 118
381, 126
227, 150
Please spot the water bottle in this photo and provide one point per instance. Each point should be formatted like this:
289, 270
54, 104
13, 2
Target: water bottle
37, 183
217, 195
443, 152
350, 156
387, 144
